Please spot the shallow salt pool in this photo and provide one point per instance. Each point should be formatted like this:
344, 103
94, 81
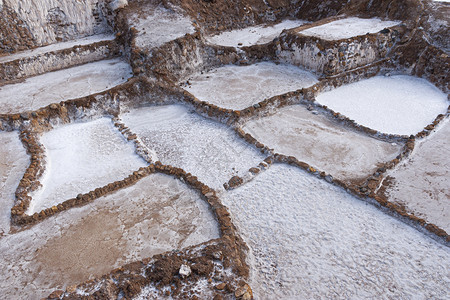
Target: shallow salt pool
155, 215
322, 143
13, 163
347, 28
397, 104
238, 87
421, 183
309, 239
81, 157
207, 149
254, 35
42, 90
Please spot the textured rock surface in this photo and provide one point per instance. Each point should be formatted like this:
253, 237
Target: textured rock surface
51, 21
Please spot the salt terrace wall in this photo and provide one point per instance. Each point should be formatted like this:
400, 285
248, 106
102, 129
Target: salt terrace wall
59, 59
26, 24
334, 57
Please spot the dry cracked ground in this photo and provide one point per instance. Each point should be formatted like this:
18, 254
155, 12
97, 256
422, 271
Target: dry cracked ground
224, 149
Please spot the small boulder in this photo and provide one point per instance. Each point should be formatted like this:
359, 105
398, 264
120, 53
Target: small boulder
117, 4
185, 271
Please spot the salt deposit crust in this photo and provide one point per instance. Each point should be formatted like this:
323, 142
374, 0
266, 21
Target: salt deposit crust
80, 158
155, 215
238, 87
181, 138
58, 46
80, 81
347, 28
13, 163
254, 35
421, 183
396, 104
158, 25
309, 238
314, 139
75, 18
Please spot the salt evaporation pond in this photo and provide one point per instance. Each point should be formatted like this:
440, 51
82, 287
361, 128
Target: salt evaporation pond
155, 215
396, 104
238, 87
42, 90
58, 46
422, 182
13, 163
181, 138
310, 239
254, 35
157, 25
321, 142
347, 28
81, 157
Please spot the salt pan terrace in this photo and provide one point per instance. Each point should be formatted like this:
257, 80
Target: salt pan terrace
81, 157
421, 183
14, 161
157, 214
254, 35
42, 90
181, 138
308, 238
347, 28
157, 25
321, 142
238, 87
397, 104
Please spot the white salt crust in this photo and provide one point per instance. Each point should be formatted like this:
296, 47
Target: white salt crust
238, 87
155, 215
322, 143
80, 158
310, 239
254, 35
347, 28
391, 104
421, 183
13, 163
42, 90
206, 149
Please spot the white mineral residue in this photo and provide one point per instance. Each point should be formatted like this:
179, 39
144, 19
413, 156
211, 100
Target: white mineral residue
158, 25
155, 215
391, 104
322, 143
58, 46
422, 182
80, 158
206, 149
238, 87
13, 163
347, 28
53, 20
62, 85
254, 35
310, 239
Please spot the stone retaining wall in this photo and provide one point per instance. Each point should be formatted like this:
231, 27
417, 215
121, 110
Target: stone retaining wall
55, 60
334, 57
